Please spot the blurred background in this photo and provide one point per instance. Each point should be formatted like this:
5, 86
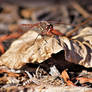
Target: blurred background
61, 12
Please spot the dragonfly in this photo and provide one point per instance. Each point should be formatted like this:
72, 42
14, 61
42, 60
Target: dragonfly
44, 28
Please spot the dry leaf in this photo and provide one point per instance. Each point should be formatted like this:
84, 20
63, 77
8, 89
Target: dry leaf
27, 50
85, 37
78, 50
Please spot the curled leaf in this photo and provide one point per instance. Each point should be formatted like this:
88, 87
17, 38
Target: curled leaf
28, 49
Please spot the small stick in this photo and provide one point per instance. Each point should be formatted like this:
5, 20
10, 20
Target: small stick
68, 34
84, 79
11, 36
2, 48
66, 78
84, 13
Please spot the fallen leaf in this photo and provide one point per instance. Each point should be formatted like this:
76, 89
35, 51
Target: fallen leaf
28, 49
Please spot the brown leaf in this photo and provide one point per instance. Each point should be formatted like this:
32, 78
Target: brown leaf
27, 50
85, 37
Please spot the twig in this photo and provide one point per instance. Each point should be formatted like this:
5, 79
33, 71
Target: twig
68, 34
84, 13
2, 48
11, 36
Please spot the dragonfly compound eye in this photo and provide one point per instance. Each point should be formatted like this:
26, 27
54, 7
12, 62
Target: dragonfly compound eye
50, 26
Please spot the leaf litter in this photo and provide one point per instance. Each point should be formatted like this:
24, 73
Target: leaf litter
24, 50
